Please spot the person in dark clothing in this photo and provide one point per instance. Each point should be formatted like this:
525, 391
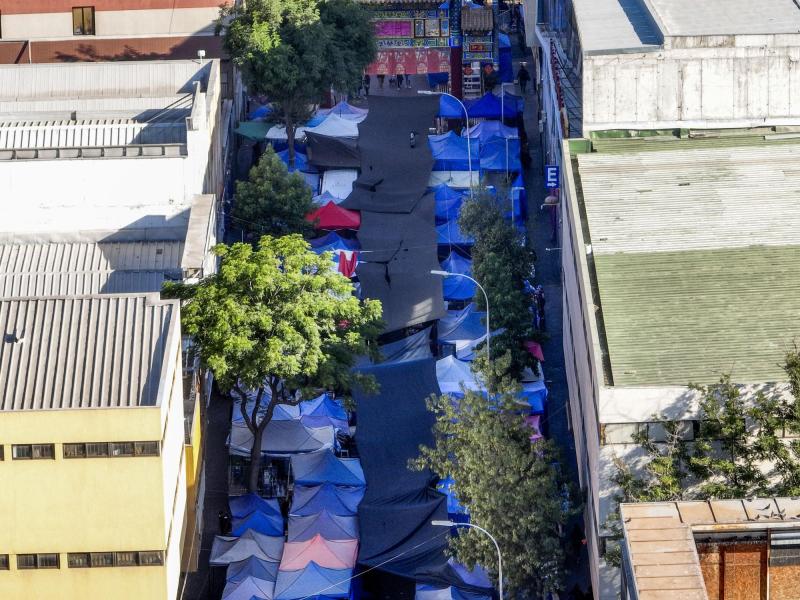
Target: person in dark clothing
366, 84
381, 79
523, 77
399, 81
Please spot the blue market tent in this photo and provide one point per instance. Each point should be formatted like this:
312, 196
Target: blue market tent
461, 328
450, 152
449, 108
324, 467
317, 119
325, 197
517, 101
252, 567
300, 162
310, 581
412, 347
489, 106
345, 110
249, 588
535, 394
337, 500
519, 198
488, 129
457, 288
435, 79
431, 592
453, 505
261, 112
241, 506
450, 234
259, 522
323, 410
285, 412
448, 202
506, 65
333, 242
499, 154
329, 526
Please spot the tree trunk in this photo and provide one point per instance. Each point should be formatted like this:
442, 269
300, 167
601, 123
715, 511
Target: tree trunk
255, 461
290, 139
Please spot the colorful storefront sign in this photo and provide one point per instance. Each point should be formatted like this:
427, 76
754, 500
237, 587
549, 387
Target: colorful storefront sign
411, 61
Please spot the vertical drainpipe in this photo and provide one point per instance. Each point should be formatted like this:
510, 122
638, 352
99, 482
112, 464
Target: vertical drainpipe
495, 37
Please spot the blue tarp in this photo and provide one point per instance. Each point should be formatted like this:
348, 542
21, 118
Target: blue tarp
448, 202
412, 347
450, 152
315, 120
252, 567
329, 526
457, 288
489, 106
430, 592
519, 198
300, 162
308, 582
485, 130
493, 155
461, 328
518, 101
535, 394
450, 234
241, 506
332, 242
336, 499
323, 467
259, 522
453, 506
249, 588
323, 410
450, 108
506, 66
262, 112
435, 79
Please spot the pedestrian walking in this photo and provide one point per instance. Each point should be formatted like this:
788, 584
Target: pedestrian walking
366, 84
399, 81
523, 77
408, 81
381, 79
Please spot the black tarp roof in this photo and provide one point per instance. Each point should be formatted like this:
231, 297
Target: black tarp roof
393, 174
329, 152
399, 505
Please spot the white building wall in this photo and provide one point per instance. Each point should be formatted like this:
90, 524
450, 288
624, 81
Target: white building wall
692, 88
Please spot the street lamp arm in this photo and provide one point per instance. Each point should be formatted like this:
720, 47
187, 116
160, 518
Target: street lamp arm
491, 537
486, 299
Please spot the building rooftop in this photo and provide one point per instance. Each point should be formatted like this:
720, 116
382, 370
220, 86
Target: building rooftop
727, 17
84, 268
84, 352
696, 254
660, 547
615, 26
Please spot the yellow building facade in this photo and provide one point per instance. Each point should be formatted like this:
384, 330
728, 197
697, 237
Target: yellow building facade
93, 476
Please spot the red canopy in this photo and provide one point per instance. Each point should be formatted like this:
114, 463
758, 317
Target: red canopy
332, 216
535, 349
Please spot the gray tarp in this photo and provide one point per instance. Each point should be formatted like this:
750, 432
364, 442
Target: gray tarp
226, 549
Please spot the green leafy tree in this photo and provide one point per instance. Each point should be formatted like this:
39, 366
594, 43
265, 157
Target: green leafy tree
293, 51
512, 487
272, 201
501, 261
278, 323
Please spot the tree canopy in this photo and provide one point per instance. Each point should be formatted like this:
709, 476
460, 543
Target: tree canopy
502, 261
511, 486
277, 322
293, 51
272, 201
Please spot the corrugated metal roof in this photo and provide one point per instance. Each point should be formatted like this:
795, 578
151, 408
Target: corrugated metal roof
697, 259
91, 133
692, 198
79, 268
86, 352
727, 17
611, 26
672, 318
661, 552
477, 19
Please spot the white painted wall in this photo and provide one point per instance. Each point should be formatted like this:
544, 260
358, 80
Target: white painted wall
706, 87
113, 23
96, 194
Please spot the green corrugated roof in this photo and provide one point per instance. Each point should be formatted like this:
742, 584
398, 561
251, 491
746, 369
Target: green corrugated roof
677, 317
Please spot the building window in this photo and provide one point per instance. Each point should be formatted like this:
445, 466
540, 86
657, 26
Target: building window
3, 562
85, 560
37, 561
623, 433
32, 451
107, 449
2, 452
83, 20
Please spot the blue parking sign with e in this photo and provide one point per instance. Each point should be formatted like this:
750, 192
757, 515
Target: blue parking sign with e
551, 177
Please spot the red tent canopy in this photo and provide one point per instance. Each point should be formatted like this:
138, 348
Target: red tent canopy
332, 216
535, 349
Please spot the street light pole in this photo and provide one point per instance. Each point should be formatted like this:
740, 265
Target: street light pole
466, 124
491, 537
485, 297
